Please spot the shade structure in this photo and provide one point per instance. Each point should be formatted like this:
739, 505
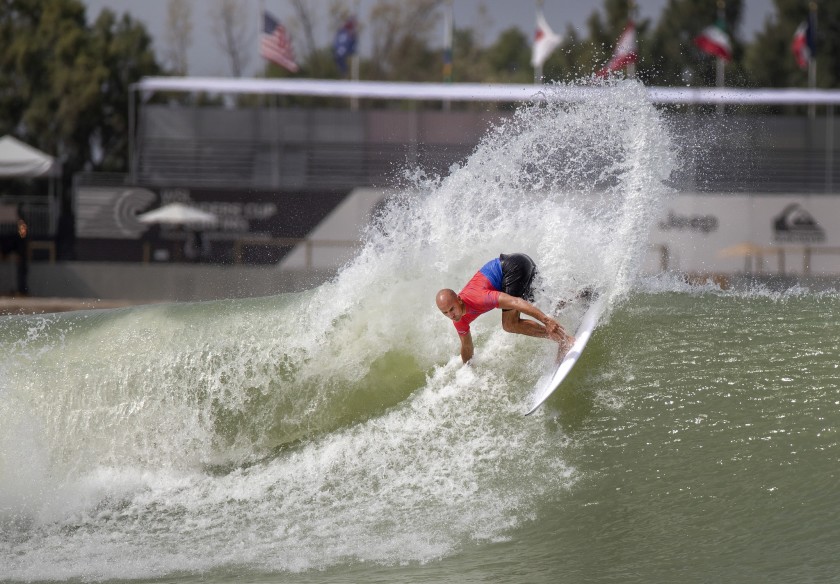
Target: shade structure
744, 249
179, 214
19, 160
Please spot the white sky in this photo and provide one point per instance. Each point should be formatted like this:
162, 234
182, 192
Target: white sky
206, 59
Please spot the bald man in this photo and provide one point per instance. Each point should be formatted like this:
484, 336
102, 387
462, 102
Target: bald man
504, 282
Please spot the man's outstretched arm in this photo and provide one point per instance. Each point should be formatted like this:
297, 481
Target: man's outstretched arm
467, 348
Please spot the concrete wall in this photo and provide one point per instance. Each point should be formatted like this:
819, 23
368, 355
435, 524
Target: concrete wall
154, 282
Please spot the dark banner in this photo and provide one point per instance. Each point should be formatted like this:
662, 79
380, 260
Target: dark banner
249, 223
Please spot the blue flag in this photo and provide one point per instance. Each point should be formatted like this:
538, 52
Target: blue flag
344, 45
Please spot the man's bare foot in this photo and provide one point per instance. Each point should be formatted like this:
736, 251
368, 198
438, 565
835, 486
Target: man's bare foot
563, 348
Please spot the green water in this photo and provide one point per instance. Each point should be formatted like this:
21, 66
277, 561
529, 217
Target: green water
696, 441
704, 429
710, 453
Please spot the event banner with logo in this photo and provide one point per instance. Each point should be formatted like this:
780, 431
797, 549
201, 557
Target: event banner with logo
695, 233
701, 233
111, 212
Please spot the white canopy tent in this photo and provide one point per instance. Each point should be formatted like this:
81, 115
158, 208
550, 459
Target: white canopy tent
179, 214
19, 160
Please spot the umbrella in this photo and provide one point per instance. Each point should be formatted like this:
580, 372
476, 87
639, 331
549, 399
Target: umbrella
179, 214
744, 249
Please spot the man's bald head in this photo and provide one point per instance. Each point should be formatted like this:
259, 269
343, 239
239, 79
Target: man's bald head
450, 304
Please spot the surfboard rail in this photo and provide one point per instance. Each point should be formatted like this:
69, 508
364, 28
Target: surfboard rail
549, 383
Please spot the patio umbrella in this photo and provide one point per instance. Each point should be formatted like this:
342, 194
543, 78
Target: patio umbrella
179, 214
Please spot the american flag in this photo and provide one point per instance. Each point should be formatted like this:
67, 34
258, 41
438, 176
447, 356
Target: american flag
275, 45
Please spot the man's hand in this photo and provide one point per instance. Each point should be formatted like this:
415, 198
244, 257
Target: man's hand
557, 333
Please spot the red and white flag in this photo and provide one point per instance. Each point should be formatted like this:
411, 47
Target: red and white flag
275, 45
714, 41
804, 43
625, 51
545, 41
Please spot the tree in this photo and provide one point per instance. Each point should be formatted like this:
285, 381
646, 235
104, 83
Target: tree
400, 32
230, 27
769, 59
51, 78
469, 62
66, 85
178, 35
124, 48
673, 58
305, 19
509, 58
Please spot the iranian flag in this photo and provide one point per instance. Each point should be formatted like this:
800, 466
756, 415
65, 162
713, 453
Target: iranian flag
624, 53
714, 41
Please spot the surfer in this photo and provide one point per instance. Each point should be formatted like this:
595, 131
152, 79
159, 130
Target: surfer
504, 282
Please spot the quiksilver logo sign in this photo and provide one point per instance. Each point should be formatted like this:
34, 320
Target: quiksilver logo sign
796, 225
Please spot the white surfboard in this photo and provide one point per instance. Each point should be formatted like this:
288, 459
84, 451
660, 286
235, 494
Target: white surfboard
548, 383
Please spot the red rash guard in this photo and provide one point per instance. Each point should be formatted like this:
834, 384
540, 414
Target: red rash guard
479, 296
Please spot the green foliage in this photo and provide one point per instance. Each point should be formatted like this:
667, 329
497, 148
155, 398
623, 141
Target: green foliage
127, 55
401, 46
769, 58
67, 82
674, 60
508, 60
467, 62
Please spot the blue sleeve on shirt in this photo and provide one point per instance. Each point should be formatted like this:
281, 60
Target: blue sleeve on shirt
492, 270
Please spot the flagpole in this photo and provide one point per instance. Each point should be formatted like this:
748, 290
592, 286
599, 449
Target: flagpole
354, 59
721, 64
631, 15
260, 25
812, 59
448, 26
538, 69
274, 175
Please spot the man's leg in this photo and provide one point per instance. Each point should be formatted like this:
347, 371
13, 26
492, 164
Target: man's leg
513, 322
510, 320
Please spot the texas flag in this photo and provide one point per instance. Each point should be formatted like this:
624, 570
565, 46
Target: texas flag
804, 45
545, 41
714, 41
344, 45
624, 53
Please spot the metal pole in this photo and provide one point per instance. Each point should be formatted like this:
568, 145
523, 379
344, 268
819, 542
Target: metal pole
631, 16
812, 61
538, 69
720, 62
448, 26
354, 68
132, 163
829, 148
354, 59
